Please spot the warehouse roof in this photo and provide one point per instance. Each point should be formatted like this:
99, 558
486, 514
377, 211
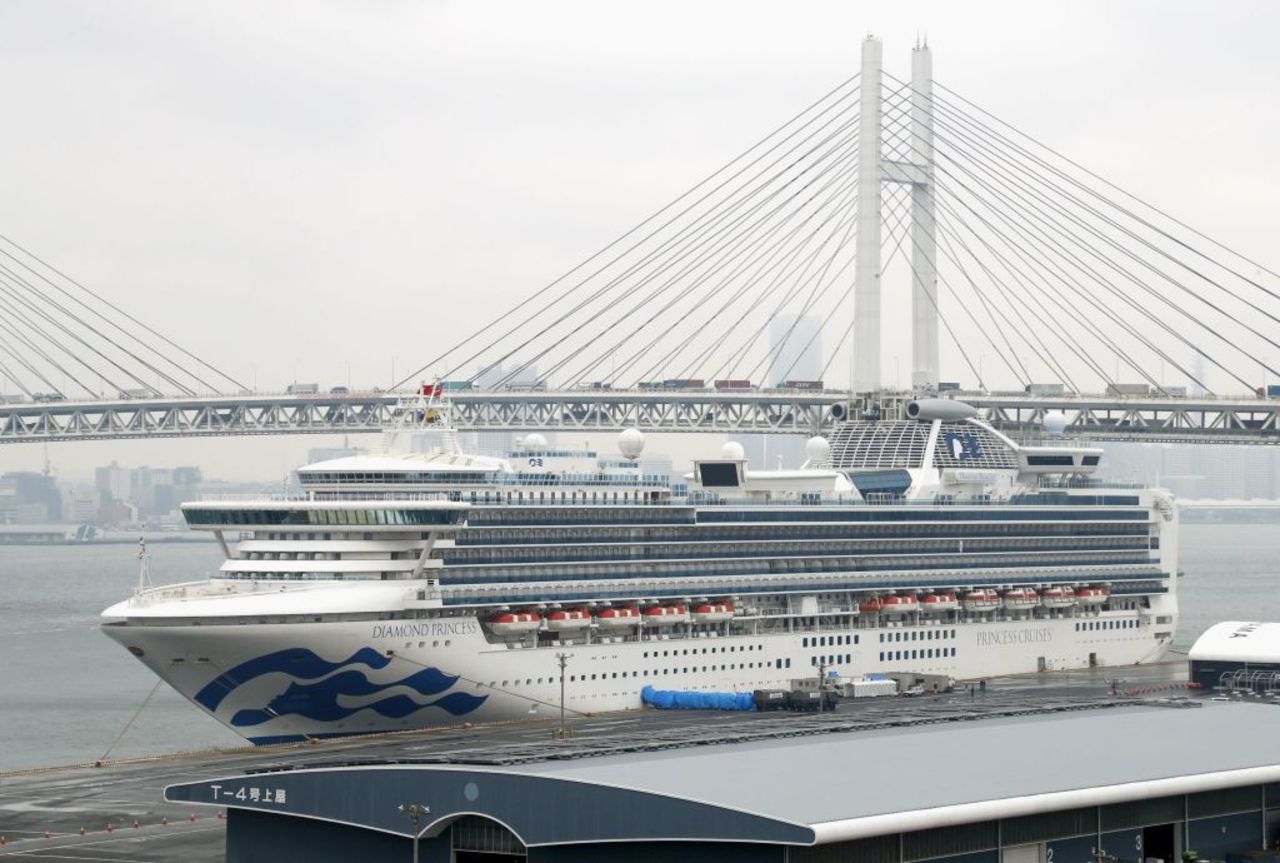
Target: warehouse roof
814, 788
1240, 641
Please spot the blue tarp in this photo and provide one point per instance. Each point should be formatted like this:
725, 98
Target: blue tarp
670, 699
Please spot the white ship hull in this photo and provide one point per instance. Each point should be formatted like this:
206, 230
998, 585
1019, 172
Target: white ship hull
273, 682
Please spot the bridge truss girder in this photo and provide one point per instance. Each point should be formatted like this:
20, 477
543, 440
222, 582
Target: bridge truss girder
1165, 420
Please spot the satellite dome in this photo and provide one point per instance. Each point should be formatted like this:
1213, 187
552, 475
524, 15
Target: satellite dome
733, 450
631, 443
818, 450
1055, 422
535, 441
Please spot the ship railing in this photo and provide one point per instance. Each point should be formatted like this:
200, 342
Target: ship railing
588, 479
311, 497
1025, 498
1086, 482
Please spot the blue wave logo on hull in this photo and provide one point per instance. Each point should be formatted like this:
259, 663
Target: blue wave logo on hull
299, 663
319, 701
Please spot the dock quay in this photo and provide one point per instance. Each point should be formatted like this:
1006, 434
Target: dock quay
121, 810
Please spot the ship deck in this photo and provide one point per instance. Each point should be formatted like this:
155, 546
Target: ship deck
64, 799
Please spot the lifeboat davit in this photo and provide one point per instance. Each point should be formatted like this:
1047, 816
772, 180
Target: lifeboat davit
981, 600
614, 617
1021, 599
945, 601
565, 619
665, 615
1092, 595
1058, 597
514, 622
715, 612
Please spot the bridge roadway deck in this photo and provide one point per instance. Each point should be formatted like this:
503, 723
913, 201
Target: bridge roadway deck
62, 800
1150, 418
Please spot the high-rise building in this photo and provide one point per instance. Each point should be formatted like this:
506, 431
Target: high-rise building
34, 496
795, 348
795, 354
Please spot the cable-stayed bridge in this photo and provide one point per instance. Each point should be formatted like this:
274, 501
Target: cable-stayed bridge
761, 301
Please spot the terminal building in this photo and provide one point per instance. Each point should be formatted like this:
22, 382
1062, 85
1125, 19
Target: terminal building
1108, 781
1237, 655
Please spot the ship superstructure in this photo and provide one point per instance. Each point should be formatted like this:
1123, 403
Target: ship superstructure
402, 590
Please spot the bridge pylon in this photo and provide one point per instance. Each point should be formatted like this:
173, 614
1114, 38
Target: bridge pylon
874, 170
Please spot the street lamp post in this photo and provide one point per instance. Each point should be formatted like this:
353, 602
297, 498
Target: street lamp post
563, 659
415, 811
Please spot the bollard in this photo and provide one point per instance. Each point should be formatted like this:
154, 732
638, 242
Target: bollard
111, 828
46, 834
191, 817
135, 824
81, 831
164, 822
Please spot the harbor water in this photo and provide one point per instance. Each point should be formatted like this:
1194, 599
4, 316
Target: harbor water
69, 695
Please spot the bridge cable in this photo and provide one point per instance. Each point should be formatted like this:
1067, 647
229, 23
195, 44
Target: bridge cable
1036, 214
1127, 194
894, 209
21, 360
796, 279
717, 213
1017, 303
1039, 312
780, 258
1128, 253
8, 287
25, 338
944, 319
1043, 266
838, 204
98, 297
742, 240
720, 231
658, 213
1045, 269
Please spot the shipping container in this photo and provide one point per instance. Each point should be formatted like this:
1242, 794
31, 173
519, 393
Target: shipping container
302, 389
801, 385
683, 384
733, 384
1045, 389
456, 386
1273, 390
1128, 389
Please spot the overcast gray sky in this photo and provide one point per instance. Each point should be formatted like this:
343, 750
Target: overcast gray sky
289, 189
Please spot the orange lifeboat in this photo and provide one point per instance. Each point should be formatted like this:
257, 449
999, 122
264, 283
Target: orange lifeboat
895, 604
715, 612
1058, 596
665, 615
615, 617
870, 606
514, 622
982, 600
939, 602
1092, 595
565, 619
1021, 599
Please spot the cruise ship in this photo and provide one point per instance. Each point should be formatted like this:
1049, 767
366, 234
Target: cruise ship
410, 589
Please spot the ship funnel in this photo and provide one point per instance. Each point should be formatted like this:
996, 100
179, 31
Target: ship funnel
940, 409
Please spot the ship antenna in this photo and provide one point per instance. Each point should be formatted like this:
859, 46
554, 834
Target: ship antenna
144, 566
